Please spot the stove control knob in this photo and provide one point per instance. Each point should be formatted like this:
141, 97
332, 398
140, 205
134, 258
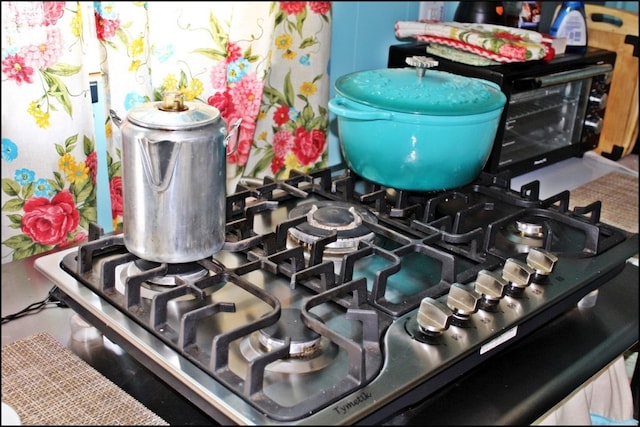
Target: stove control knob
519, 276
433, 316
462, 299
491, 287
542, 261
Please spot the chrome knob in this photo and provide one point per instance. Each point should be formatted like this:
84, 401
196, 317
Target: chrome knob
542, 261
491, 287
433, 316
518, 274
594, 123
599, 100
462, 299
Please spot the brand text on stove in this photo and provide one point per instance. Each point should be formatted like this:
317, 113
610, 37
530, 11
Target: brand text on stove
362, 397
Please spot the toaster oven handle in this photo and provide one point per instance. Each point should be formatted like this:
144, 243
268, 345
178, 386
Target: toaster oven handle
562, 77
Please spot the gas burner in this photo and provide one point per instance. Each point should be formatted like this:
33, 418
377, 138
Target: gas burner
186, 271
327, 217
308, 350
524, 234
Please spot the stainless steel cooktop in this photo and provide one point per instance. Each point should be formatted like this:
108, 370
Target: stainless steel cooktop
336, 301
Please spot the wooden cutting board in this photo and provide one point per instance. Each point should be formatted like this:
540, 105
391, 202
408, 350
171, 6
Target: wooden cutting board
617, 30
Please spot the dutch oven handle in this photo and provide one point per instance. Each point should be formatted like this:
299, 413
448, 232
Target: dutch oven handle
346, 108
235, 128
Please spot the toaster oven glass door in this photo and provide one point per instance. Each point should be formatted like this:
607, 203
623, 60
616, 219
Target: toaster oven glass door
542, 120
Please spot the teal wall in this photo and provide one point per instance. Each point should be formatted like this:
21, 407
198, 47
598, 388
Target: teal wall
361, 35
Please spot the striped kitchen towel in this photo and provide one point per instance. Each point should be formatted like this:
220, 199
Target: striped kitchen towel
496, 42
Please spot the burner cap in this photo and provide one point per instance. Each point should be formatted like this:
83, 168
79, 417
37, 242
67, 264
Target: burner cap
524, 234
304, 341
327, 217
530, 229
189, 271
308, 350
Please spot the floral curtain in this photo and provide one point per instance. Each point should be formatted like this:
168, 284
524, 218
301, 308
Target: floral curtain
263, 62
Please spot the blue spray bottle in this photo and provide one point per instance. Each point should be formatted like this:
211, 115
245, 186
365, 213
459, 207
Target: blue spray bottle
571, 23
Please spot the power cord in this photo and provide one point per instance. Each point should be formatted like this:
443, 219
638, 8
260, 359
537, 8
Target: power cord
48, 302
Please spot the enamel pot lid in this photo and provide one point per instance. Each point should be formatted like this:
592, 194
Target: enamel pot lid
429, 92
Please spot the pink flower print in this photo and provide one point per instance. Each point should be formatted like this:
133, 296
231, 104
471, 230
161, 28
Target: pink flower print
281, 115
234, 52
282, 143
115, 189
320, 7
106, 28
92, 164
77, 238
16, 69
53, 11
222, 102
25, 13
277, 163
246, 95
49, 222
293, 7
241, 156
45, 54
308, 145
218, 76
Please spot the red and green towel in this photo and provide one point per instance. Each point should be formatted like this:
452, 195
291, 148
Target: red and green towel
496, 42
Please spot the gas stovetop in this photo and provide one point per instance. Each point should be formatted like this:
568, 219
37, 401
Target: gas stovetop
338, 301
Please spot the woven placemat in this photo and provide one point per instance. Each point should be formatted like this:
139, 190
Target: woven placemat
618, 193
47, 384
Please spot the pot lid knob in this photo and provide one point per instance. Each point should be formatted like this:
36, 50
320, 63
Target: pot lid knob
421, 63
173, 100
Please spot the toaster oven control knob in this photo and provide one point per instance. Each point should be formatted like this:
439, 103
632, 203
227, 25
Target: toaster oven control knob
598, 100
463, 301
519, 276
593, 123
542, 261
433, 316
491, 287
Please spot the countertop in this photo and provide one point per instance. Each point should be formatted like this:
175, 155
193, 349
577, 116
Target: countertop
571, 173
516, 386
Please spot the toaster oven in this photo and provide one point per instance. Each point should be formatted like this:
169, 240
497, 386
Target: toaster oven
555, 109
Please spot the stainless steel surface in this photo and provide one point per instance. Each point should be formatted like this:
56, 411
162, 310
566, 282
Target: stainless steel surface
23, 285
416, 356
516, 386
572, 75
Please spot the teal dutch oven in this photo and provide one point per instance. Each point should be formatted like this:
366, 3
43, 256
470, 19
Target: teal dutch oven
416, 129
